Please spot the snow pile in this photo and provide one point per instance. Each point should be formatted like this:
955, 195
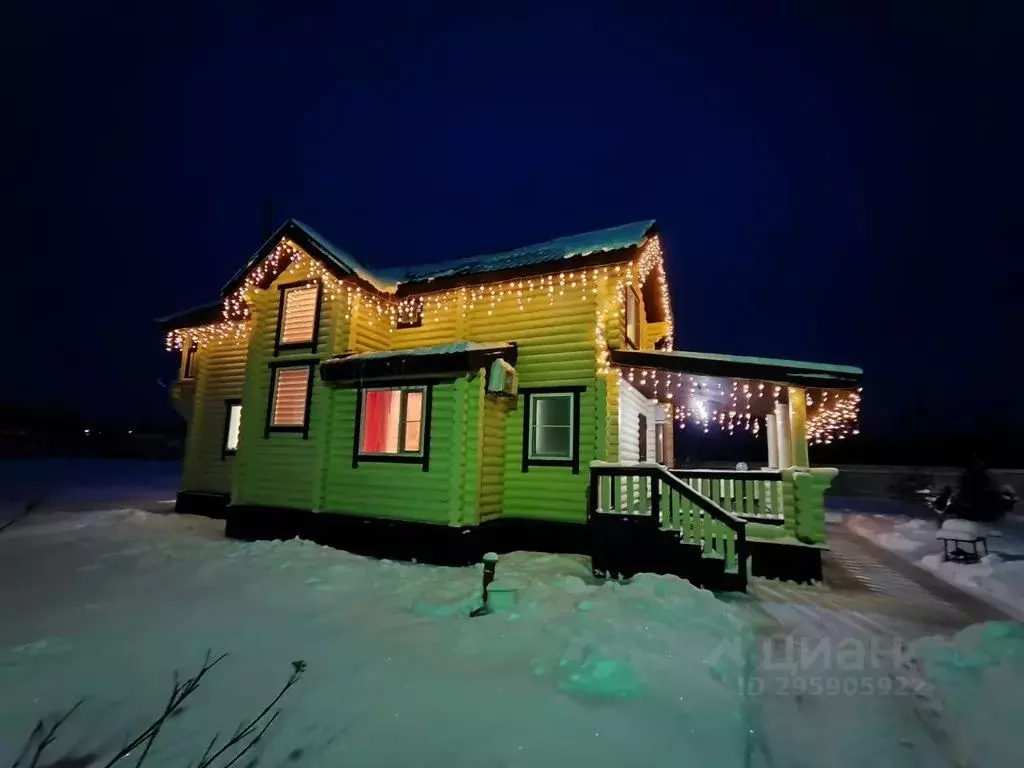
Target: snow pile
397, 673
975, 694
573, 672
997, 578
1001, 580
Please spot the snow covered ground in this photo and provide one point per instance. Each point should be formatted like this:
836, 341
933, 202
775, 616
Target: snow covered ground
84, 483
998, 578
107, 604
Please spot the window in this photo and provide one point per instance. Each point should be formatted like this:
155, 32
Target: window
632, 319
297, 318
188, 369
643, 438
410, 314
551, 428
394, 424
659, 443
232, 427
291, 388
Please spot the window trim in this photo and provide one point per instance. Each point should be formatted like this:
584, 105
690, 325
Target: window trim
228, 405
528, 394
642, 442
298, 345
302, 429
659, 442
631, 293
188, 364
423, 457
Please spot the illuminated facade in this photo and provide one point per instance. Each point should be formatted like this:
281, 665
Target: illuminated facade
468, 395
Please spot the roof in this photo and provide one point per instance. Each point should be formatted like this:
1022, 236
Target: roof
452, 359
601, 240
189, 318
775, 370
341, 264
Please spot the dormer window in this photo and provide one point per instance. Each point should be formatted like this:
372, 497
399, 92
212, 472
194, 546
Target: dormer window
632, 319
188, 366
298, 317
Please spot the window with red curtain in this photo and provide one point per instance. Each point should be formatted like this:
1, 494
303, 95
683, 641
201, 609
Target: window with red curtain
392, 422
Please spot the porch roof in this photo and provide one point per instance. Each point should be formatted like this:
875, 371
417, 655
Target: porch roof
776, 371
444, 360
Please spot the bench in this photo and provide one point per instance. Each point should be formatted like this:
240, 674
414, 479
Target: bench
960, 533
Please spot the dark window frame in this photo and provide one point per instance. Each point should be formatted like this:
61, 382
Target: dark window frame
297, 346
642, 437
423, 457
631, 293
302, 429
528, 393
228, 405
188, 368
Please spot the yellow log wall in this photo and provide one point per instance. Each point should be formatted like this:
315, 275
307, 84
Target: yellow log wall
220, 376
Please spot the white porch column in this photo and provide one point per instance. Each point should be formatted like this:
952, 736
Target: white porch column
782, 434
773, 442
798, 426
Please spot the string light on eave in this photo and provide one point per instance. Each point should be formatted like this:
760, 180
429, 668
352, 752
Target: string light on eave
835, 417
737, 405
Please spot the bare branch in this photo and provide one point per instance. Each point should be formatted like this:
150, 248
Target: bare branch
37, 731
28, 510
252, 743
243, 731
51, 735
179, 693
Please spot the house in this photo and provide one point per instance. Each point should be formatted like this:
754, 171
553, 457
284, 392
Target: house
523, 399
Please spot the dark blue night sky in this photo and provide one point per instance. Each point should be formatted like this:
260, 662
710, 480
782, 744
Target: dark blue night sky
832, 185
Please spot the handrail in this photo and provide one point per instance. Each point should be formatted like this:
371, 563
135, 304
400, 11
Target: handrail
729, 474
659, 473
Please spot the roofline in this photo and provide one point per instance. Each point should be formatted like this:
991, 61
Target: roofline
353, 369
595, 259
777, 371
312, 245
295, 232
204, 314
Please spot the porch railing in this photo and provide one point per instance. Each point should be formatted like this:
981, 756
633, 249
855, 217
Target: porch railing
673, 505
752, 495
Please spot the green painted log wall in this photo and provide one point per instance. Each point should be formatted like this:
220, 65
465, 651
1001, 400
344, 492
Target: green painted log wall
282, 469
445, 494
492, 468
475, 467
219, 376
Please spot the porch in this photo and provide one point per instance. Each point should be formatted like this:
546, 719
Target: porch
767, 520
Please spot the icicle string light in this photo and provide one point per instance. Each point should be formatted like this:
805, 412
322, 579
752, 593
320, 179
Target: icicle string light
583, 284
730, 405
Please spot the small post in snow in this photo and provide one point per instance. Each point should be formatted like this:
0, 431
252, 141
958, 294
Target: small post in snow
490, 564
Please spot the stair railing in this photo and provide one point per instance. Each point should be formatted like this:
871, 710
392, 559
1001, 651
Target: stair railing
650, 490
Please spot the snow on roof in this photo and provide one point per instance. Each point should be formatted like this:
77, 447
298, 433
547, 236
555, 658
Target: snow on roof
814, 367
440, 349
346, 260
612, 239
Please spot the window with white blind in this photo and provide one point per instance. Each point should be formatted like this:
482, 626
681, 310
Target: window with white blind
298, 316
291, 387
